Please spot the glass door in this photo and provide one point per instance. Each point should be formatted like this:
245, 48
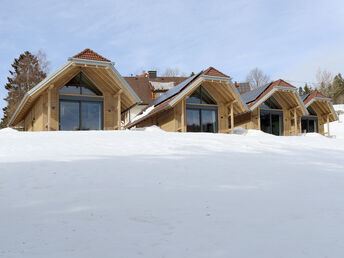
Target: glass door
271, 121
69, 115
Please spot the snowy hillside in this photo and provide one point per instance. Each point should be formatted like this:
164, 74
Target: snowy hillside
155, 194
337, 127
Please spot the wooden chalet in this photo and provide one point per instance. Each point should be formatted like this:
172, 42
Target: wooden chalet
86, 93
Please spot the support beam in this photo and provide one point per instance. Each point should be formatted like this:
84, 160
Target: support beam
232, 117
259, 126
295, 121
328, 125
49, 107
183, 115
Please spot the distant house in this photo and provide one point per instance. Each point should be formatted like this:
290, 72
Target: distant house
320, 112
88, 93
148, 87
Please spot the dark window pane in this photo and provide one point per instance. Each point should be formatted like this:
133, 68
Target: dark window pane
304, 125
88, 88
91, 116
311, 126
276, 124
311, 111
195, 97
69, 115
206, 98
209, 121
271, 103
193, 122
265, 122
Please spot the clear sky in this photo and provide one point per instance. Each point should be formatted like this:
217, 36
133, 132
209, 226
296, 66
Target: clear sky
286, 39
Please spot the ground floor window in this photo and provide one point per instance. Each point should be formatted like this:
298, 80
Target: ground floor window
271, 121
309, 124
201, 118
81, 115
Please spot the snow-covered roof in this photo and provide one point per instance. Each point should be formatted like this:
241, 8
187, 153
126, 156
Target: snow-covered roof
163, 86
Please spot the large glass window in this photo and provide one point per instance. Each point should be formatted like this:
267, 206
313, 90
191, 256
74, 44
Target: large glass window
80, 115
271, 121
201, 112
309, 124
69, 115
81, 105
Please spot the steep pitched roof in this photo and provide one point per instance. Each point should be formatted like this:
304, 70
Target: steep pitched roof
211, 71
90, 55
254, 95
176, 92
314, 94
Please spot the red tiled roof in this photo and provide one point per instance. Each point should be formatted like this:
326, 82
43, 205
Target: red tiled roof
315, 94
90, 55
279, 82
211, 71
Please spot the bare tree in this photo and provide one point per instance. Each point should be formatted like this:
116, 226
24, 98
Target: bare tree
257, 78
42, 61
173, 72
324, 82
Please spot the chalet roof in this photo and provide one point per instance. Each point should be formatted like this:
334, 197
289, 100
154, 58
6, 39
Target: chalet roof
315, 94
211, 71
253, 95
90, 55
173, 95
143, 87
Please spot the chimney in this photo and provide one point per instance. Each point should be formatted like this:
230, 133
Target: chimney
237, 84
152, 74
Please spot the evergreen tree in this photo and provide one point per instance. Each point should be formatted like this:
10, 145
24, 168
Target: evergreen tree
301, 91
27, 72
337, 87
307, 89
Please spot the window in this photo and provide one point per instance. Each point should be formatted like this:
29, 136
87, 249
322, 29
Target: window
201, 96
311, 111
201, 118
271, 121
271, 103
81, 105
309, 124
80, 85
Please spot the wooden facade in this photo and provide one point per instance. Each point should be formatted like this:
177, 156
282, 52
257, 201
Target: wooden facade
40, 109
292, 109
173, 119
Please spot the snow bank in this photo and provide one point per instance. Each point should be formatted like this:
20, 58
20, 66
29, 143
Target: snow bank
146, 194
8, 131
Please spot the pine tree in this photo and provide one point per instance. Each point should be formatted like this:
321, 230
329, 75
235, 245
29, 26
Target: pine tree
307, 89
337, 87
301, 91
27, 72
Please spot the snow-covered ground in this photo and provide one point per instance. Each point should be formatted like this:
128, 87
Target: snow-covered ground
337, 127
155, 194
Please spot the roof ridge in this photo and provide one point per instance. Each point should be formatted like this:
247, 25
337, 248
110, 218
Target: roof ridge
212, 70
90, 55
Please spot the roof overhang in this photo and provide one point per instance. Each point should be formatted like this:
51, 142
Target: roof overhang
280, 88
71, 61
323, 99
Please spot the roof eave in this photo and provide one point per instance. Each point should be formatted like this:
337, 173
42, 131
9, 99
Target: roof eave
270, 93
38, 87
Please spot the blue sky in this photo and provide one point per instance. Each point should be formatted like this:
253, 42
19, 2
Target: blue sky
286, 39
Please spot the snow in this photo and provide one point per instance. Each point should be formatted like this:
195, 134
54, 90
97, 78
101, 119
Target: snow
144, 113
156, 194
337, 127
162, 85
